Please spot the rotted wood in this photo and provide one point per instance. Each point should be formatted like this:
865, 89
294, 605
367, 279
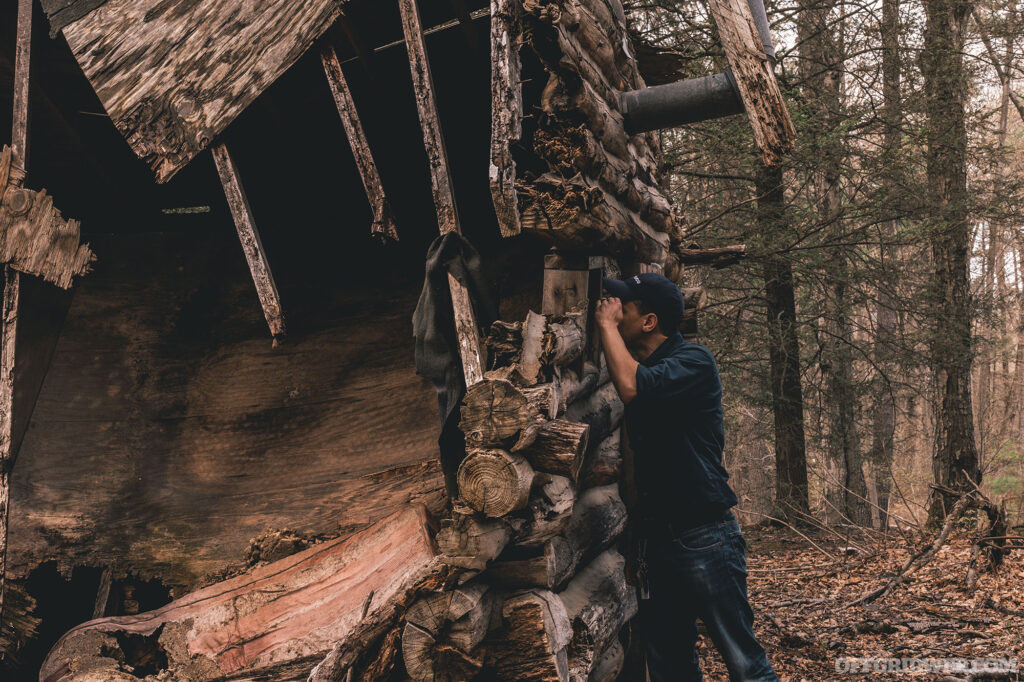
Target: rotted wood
769, 118
160, 69
604, 463
598, 519
529, 363
34, 237
494, 482
294, 607
466, 328
506, 112
569, 212
252, 246
559, 448
548, 511
470, 540
383, 225
564, 339
530, 645
494, 411
441, 631
547, 398
599, 603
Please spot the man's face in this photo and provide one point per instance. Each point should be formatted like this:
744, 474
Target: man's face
634, 324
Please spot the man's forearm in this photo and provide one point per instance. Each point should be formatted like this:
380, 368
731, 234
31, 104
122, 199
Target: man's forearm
621, 365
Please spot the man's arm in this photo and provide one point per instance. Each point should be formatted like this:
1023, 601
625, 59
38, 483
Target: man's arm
621, 365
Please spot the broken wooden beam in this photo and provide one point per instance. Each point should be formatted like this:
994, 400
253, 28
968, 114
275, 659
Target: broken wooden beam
769, 118
383, 225
34, 237
294, 608
252, 246
717, 258
506, 112
466, 328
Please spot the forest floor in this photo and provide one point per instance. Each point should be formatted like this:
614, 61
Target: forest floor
801, 595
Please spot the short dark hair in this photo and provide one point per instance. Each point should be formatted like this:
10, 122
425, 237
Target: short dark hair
665, 329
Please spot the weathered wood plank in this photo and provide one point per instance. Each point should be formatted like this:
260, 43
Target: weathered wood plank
34, 237
506, 112
289, 609
383, 222
769, 118
172, 76
466, 328
255, 255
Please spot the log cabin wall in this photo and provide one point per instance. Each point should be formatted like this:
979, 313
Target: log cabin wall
563, 165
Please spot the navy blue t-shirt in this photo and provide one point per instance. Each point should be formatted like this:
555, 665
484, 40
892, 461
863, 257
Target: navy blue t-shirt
675, 428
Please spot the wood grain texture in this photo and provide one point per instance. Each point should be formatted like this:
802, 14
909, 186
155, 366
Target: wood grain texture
506, 111
289, 609
531, 644
249, 236
192, 436
383, 224
34, 237
172, 76
769, 118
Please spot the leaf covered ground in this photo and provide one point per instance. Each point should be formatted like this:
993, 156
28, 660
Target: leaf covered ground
800, 595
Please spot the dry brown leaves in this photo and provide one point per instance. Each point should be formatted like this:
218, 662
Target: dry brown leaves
798, 596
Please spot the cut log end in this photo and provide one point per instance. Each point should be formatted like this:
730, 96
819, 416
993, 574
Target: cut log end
495, 482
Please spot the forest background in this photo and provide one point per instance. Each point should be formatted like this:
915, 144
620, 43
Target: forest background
872, 342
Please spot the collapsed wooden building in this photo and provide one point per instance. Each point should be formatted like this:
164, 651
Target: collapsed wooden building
189, 501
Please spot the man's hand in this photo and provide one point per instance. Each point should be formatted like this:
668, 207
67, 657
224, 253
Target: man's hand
608, 312
621, 364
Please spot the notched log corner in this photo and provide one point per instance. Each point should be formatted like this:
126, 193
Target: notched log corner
34, 237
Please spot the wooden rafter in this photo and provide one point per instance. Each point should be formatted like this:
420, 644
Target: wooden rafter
12, 290
252, 246
769, 118
441, 184
383, 225
506, 113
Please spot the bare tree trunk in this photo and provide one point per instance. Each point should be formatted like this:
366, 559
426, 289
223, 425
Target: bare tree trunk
955, 455
783, 353
821, 65
883, 425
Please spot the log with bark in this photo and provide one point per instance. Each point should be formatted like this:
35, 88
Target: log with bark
598, 519
602, 411
603, 463
598, 602
547, 513
295, 608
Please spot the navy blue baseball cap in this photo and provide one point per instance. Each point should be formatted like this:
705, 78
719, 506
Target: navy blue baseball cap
660, 295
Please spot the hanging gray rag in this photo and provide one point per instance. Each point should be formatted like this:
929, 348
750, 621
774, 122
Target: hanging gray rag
437, 347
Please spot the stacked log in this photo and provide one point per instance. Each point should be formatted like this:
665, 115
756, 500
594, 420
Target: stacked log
543, 593
602, 182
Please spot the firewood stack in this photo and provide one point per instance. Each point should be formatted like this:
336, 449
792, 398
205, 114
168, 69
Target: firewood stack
543, 593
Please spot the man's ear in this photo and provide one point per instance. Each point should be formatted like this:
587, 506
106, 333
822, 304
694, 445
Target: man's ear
650, 322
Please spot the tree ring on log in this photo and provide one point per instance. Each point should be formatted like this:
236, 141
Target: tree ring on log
495, 482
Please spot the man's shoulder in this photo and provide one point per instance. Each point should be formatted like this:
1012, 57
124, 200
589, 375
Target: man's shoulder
692, 353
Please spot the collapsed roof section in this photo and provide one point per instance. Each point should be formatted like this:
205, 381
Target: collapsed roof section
173, 75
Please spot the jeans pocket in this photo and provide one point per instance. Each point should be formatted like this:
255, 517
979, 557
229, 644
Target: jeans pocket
698, 542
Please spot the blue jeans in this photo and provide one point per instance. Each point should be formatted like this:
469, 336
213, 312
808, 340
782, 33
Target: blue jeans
700, 573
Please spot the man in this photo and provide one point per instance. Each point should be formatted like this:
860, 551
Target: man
694, 551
